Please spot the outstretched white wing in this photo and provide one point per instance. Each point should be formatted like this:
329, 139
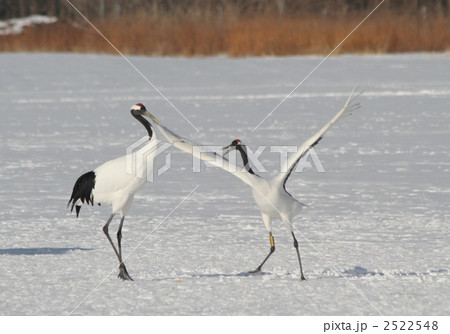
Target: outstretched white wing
198, 151
313, 140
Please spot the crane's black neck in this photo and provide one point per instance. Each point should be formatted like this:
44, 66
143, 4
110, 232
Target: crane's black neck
144, 122
243, 150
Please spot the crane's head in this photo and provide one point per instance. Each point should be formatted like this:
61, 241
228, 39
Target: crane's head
139, 109
234, 144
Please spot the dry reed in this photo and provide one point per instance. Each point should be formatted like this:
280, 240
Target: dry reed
239, 36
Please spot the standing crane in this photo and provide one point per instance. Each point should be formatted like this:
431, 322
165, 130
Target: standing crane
116, 184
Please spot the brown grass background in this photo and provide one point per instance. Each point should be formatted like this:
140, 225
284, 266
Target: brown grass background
238, 33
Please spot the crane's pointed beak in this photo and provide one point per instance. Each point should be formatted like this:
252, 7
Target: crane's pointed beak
228, 149
153, 118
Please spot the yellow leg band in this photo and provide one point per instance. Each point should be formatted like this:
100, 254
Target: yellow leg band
272, 241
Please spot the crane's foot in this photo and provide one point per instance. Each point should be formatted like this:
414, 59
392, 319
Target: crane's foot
123, 274
302, 278
257, 270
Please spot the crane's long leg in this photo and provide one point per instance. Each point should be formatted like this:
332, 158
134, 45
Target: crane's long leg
105, 230
123, 270
119, 257
272, 249
302, 277
119, 237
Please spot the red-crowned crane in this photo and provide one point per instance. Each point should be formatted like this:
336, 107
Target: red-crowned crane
270, 195
116, 182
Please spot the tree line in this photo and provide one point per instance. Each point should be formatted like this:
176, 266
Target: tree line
100, 9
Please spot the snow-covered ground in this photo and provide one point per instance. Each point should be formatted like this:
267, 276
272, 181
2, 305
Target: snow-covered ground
375, 237
17, 25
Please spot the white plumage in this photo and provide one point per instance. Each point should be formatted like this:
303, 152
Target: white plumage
116, 181
269, 194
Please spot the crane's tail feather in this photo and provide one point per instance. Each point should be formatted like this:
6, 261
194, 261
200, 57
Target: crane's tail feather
82, 192
77, 209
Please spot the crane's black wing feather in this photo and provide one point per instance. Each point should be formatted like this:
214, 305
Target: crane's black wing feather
82, 190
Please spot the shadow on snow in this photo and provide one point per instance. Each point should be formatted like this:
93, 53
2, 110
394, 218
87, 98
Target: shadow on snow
359, 272
40, 251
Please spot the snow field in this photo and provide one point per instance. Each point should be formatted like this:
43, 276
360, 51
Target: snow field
374, 238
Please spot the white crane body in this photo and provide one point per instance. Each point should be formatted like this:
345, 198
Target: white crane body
115, 183
270, 195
